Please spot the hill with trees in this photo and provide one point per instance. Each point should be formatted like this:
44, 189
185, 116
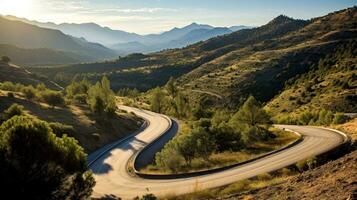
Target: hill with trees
256, 61
39, 57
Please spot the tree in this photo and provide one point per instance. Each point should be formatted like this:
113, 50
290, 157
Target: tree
182, 105
204, 143
186, 148
5, 59
157, 100
171, 88
251, 113
37, 164
169, 157
101, 98
53, 98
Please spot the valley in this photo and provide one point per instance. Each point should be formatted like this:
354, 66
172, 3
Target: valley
89, 111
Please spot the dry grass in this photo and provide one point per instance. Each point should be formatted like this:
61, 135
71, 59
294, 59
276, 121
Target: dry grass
349, 128
261, 181
91, 131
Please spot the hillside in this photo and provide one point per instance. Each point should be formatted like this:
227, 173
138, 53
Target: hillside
38, 57
254, 61
30, 36
334, 180
330, 85
17, 74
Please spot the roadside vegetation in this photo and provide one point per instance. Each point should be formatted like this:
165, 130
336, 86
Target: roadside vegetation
38, 164
87, 112
215, 139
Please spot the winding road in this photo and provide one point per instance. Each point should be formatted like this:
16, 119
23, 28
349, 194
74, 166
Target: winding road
109, 164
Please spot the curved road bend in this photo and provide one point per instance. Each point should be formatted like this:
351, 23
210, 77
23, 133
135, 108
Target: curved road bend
112, 178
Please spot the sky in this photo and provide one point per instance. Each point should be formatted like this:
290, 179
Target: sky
154, 16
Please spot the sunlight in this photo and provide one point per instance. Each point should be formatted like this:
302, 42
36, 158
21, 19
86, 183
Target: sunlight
15, 7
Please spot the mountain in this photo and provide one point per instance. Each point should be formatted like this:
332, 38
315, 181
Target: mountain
30, 36
90, 31
173, 34
125, 43
237, 28
259, 61
191, 37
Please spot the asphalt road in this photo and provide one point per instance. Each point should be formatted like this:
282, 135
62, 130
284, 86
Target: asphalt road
109, 164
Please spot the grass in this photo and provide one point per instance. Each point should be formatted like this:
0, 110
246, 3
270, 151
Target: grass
221, 159
91, 131
261, 181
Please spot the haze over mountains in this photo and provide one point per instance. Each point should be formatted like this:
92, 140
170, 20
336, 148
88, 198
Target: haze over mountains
125, 43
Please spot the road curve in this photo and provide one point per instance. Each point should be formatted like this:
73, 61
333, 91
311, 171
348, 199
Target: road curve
109, 164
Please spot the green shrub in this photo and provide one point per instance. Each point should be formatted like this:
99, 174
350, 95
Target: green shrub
340, 118
29, 92
80, 98
53, 98
61, 129
37, 164
13, 110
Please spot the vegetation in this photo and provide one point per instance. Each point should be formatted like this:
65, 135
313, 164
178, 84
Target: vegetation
322, 117
36, 163
220, 140
5, 59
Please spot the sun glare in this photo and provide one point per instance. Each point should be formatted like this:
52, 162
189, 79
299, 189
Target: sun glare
15, 7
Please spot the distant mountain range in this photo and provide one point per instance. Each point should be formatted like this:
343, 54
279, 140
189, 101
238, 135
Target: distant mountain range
125, 43
24, 35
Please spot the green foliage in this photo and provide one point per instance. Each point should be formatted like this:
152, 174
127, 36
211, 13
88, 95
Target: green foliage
127, 92
322, 117
61, 129
5, 59
29, 92
37, 164
101, 98
53, 98
157, 100
171, 88
250, 113
77, 90
13, 110
9, 86
340, 118
169, 158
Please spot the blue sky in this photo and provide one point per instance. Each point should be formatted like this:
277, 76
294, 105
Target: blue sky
152, 16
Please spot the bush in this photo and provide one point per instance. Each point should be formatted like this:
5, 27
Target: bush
53, 98
5, 59
61, 129
29, 92
340, 118
37, 164
11, 95
80, 98
13, 110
